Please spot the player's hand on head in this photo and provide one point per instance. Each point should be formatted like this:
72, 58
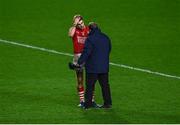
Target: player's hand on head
76, 20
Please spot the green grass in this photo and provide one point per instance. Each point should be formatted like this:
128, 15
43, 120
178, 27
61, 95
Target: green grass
37, 87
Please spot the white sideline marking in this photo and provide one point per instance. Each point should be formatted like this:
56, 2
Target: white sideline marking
35, 47
68, 54
144, 70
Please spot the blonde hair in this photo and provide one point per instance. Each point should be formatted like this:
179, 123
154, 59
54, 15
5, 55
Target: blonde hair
76, 16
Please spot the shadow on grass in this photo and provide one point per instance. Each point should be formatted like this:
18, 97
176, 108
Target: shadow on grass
103, 116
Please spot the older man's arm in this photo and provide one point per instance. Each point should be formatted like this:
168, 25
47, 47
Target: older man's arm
86, 52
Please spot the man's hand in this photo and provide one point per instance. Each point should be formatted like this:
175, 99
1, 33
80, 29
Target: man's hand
75, 67
76, 21
73, 28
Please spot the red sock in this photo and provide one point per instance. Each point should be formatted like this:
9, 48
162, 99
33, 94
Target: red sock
81, 93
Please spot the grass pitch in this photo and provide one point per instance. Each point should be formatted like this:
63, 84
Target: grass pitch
38, 87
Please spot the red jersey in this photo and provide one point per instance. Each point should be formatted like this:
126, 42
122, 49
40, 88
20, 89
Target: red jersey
79, 39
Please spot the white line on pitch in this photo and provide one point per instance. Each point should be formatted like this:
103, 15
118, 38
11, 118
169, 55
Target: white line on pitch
68, 54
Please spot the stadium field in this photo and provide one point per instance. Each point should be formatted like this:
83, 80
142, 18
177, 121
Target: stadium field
36, 85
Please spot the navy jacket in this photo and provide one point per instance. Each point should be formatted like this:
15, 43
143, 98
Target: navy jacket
96, 52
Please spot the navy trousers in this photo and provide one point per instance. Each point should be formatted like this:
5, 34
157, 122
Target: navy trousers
103, 79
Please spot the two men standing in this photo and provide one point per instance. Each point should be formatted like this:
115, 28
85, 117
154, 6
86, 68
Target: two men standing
95, 56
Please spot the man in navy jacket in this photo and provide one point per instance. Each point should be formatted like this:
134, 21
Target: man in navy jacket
96, 59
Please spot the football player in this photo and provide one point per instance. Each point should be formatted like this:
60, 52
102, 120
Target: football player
79, 32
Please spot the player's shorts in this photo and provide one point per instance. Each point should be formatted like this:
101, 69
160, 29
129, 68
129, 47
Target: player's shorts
75, 59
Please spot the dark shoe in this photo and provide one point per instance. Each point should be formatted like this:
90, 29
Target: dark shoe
94, 105
106, 106
81, 104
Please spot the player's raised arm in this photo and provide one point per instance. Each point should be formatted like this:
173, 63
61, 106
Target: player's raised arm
72, 31
73, 28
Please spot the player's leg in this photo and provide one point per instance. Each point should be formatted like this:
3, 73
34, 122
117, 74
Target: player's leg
80, 86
